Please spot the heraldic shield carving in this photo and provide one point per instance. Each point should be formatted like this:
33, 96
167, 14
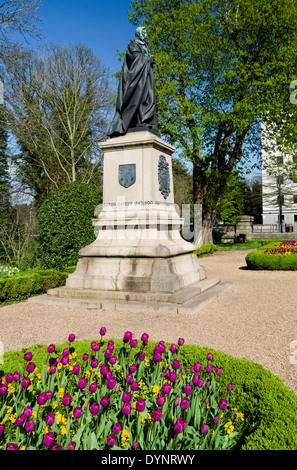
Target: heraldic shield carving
164, 177
127, 174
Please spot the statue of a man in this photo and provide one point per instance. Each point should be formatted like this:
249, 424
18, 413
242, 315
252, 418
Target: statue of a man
136, 103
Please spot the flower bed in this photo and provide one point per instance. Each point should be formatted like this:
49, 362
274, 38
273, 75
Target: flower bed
7, 271
274, 256
130, 401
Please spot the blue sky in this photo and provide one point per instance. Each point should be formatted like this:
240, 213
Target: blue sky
101, 25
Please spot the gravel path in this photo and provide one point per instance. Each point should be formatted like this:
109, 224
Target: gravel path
255, 319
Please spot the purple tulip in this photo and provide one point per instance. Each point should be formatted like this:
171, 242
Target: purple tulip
28, 356
71, 445
162, 347
52, 369
195, 379
67, 400
51, 348
103, 369
9, 378
95, 408
108, 375
142, 356
111, 383
229, 387
176, 364
103, 331
1, 429
116, 428
104, 401
127, 336
93, 387
48, 440
75, 369
50, 419
52, 360
200, 382
209, 368
65, 360
197, 367
111, 439
180, 425
173, 348
204, 428
218, 371
29, 426
166, 388
129, 378
107, 353
157, 356
127, 397
176, 401
3, 388
85, 357
65, 352
223, 404
95, 346
16, 376
188, 389
113, 359
161, 400
49, 394
216, 420
181, 341
77, 412
41, 399
140, 405
184, 404
94, 363
11, 446
126, 410
157, 414
134, 386
25, 382
82, 383
20, 421
172, 377
57, 447
209, 357
71, 338
133, 368
135, 445
27, 412
30, 367
110, 345
144, 338
133, 343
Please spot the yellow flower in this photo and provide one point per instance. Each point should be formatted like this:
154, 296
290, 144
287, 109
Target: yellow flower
63, 430
125, 435
22, 448
155, 390
34, 414
239, 416
61, 392
229, 427
54, 405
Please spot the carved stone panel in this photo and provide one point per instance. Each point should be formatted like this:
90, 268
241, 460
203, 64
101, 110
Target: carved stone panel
164, 177
127, 174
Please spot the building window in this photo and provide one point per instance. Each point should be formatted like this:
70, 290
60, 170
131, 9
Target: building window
280, 179
280, 160
295, 218
295, 198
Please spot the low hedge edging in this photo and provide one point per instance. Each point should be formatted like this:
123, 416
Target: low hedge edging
269, 407
259, 260
27, 284
206, 249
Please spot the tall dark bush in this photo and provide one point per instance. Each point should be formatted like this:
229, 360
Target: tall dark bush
64, 224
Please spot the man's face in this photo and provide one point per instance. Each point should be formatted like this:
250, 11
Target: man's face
142, 34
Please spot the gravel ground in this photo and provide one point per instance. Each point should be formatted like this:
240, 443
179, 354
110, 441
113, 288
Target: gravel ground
256, 319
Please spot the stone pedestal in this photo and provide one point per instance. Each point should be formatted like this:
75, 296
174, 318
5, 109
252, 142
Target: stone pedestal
139, 259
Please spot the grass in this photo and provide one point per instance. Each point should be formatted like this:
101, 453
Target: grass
239, 246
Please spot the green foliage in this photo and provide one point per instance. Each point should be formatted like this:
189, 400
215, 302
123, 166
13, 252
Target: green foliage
65, 224
268, 406
23, 285
205, 249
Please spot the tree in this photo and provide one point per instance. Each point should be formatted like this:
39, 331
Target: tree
5, 184
220, 65
59, 101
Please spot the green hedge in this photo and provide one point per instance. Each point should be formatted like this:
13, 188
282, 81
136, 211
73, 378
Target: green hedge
27, 284
269, 407
263, 261
206, 249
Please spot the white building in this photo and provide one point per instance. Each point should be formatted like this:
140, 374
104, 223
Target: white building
279, 188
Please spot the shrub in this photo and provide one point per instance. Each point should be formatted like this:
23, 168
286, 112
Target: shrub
64, 224
274, 256
268, 406
205, 249
27, 284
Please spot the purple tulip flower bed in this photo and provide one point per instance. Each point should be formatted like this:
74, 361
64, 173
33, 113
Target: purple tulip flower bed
287, 247
102, 401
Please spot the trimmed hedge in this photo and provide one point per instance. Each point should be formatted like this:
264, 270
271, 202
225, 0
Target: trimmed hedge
269, 407
206, 249
259, 260
27, 284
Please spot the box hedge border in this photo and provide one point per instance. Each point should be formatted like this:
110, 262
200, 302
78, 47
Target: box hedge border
269, 407
259, 260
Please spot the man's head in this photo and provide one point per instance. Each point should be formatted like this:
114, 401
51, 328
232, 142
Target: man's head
141, 33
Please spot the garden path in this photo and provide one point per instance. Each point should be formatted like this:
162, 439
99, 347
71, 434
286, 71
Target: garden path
255, 319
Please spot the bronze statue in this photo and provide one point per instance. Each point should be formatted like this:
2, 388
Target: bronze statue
136, 103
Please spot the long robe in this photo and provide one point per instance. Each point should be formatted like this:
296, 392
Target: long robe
136, 103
